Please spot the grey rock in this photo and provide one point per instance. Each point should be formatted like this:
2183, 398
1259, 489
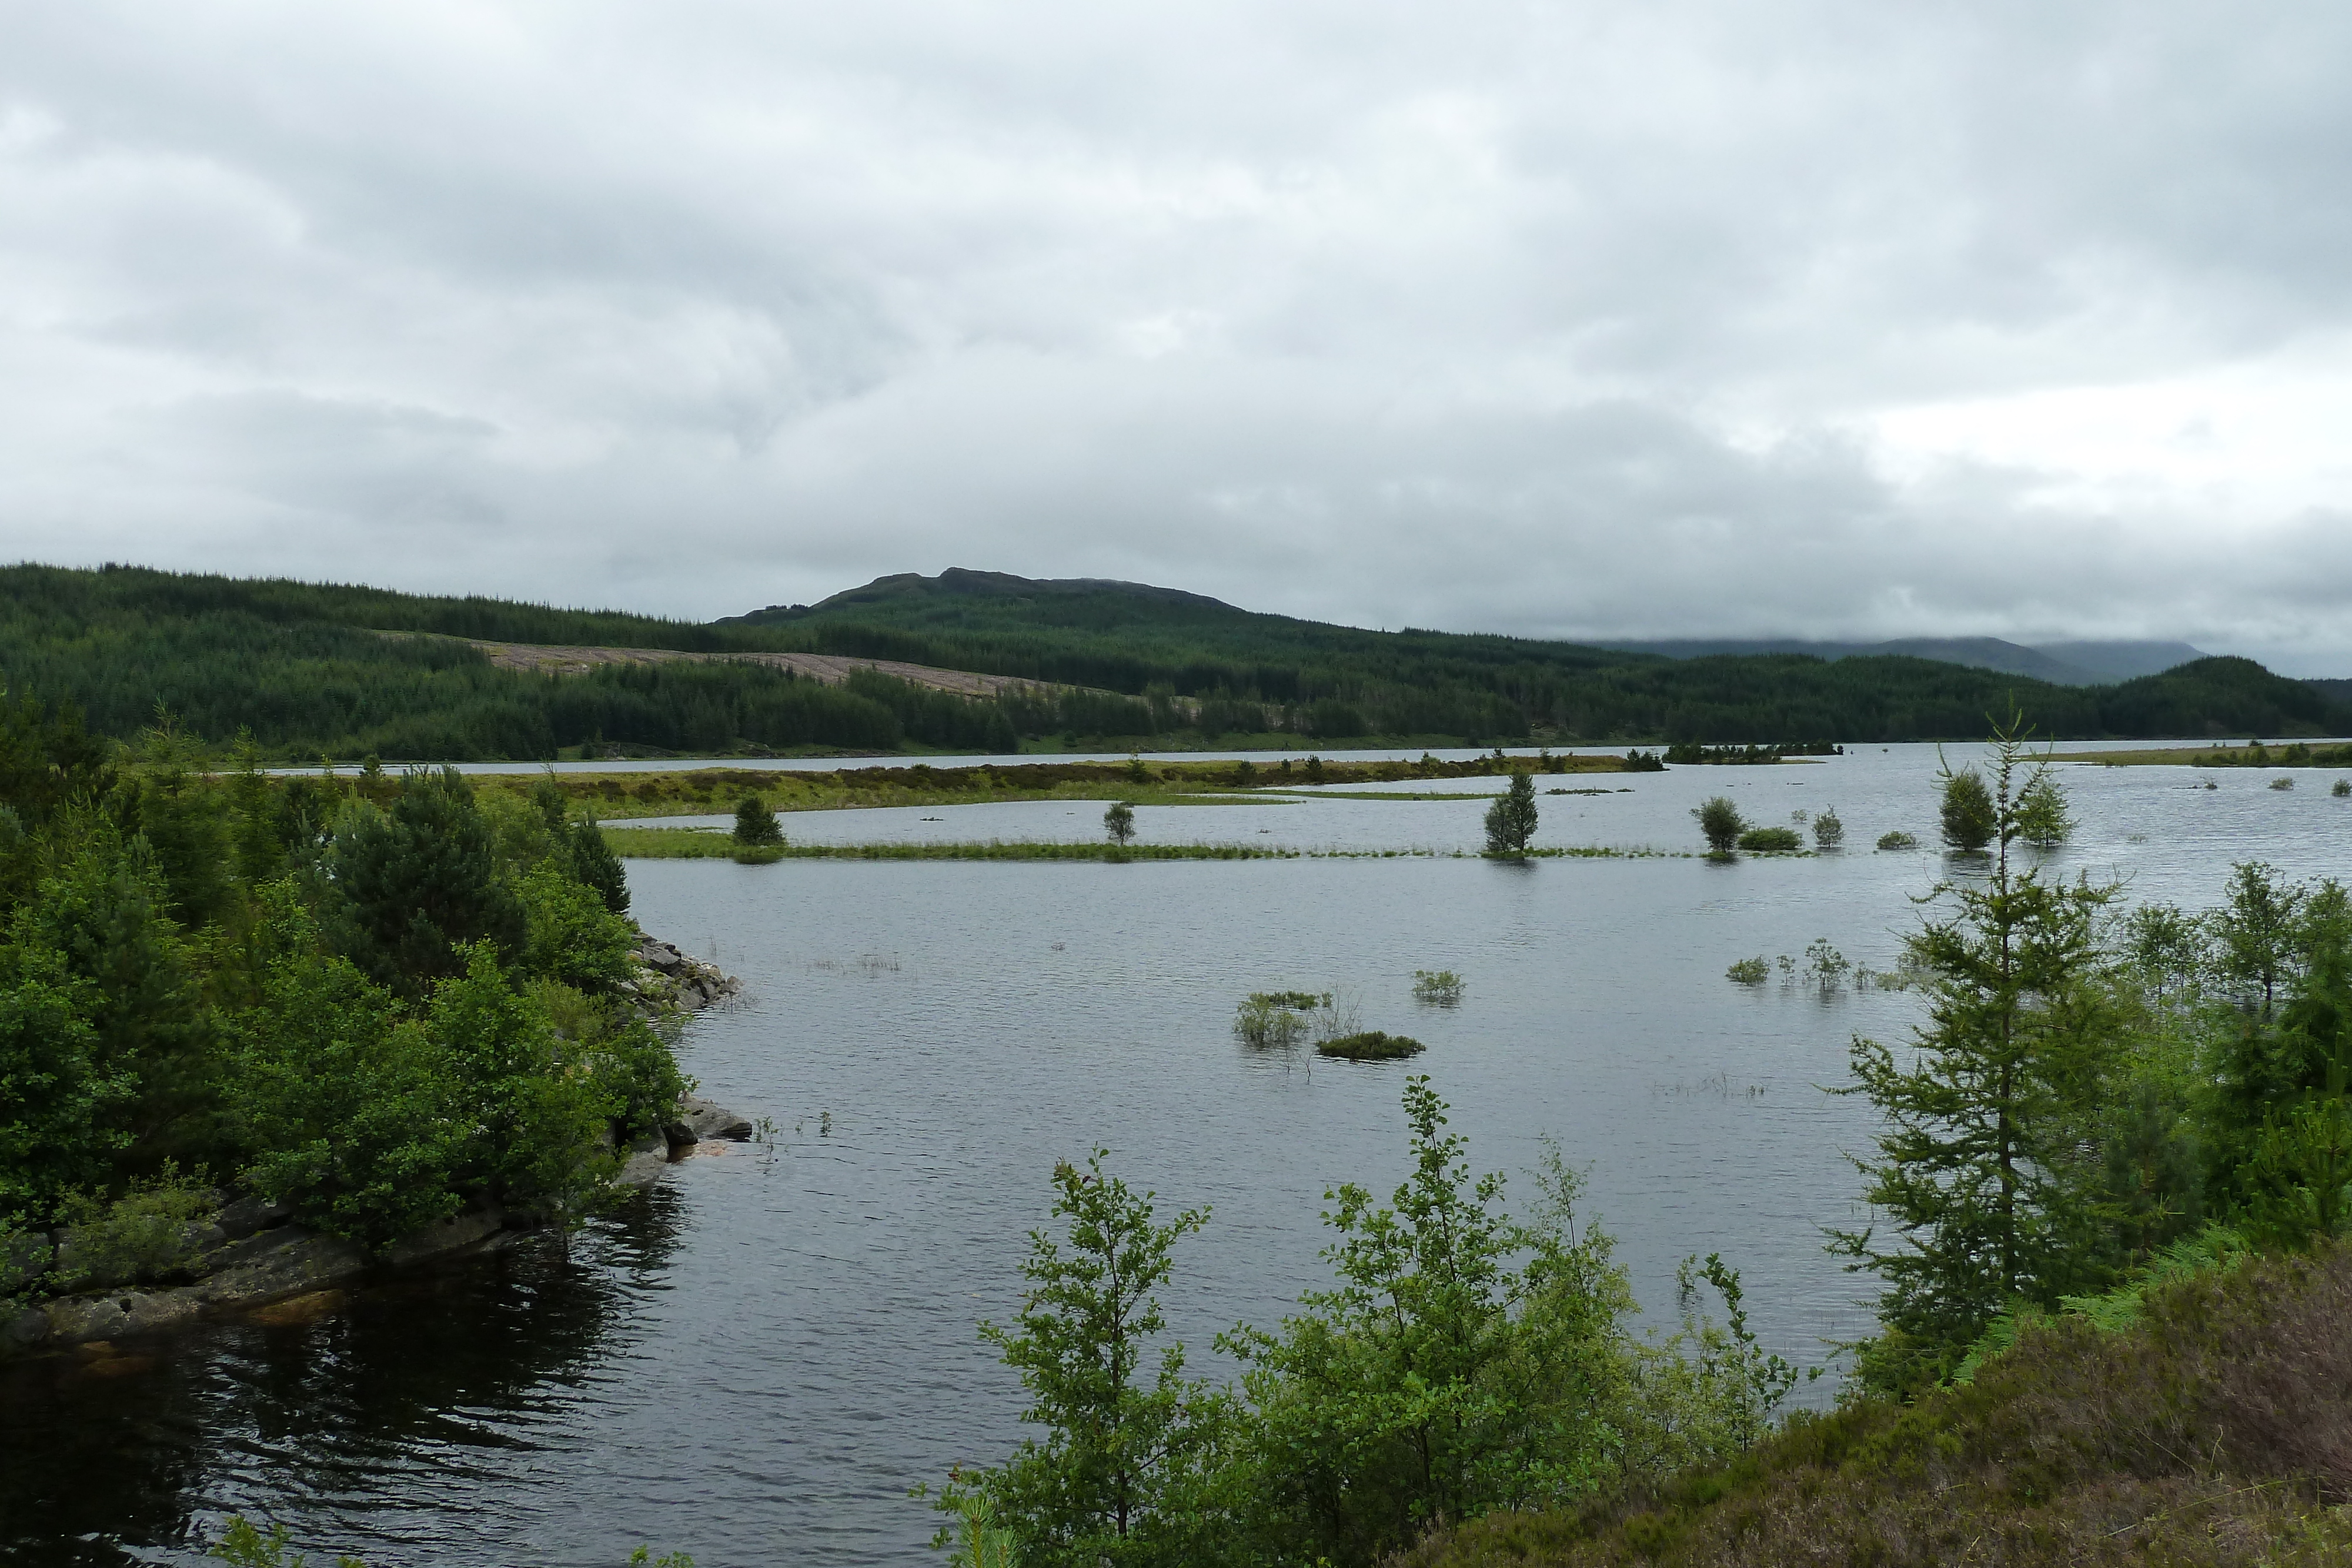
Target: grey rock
248, 1214
642, 1168
705, 1120
118, 1314
446, 1236
297, 1261
24, 1257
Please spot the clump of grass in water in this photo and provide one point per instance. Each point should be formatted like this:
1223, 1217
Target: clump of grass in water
1771, 840
2282, 783
1436, 987
1276, 1020
1749, 971
1369, 1045
2342, 787
1898, 839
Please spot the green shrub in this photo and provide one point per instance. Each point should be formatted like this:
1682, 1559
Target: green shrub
1274, 1020
1829, 829
2282, 783
1970, 815
1749, 971
1771, 840
2341, 788
1720, 821
145, 1234
1898, 839
1438, 987
755, 825
573, 936
1370, 1045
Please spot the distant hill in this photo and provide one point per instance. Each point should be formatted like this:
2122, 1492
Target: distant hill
310, 668
2075, 664
1333, 681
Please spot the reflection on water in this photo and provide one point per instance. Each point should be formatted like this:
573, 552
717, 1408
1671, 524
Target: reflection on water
403, 1398
757, 1365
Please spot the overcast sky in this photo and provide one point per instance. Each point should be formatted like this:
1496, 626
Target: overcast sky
1743, 318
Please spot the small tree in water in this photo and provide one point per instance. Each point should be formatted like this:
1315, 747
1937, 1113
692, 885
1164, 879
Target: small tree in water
1511, 820
1970, 818
1719, 820
1119, 821
755, 825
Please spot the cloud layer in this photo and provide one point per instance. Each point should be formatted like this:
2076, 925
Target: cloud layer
1781, 318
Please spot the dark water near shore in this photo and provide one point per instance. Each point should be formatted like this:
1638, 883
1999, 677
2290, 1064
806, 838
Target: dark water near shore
755, 1362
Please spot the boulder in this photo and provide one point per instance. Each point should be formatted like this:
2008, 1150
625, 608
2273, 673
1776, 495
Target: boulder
287, 1261
118, 1314
642, 1168
706, 1121
248, 1214
462, 1230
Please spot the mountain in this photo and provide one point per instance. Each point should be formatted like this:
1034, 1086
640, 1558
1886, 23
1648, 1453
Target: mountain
2078, 664
311, 668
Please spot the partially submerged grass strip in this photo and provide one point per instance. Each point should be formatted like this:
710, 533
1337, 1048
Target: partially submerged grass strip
691, 843
699, 843
1155, 781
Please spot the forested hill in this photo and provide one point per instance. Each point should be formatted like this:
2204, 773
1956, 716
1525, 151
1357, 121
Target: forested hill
1132, 638
348, 671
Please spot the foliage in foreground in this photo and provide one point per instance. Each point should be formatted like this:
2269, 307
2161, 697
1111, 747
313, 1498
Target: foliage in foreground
1462, 1360
375, 1000
2211, 1429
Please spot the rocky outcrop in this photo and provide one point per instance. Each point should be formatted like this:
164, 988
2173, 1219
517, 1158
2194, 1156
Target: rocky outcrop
249, 1254
667, 979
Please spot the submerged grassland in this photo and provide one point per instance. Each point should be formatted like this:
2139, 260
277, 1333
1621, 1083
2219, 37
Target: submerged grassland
701, 791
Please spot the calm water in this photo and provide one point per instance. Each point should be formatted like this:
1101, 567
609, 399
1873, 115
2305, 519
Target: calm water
758, 1359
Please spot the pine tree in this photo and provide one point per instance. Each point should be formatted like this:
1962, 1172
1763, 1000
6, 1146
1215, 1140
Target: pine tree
1987, 1171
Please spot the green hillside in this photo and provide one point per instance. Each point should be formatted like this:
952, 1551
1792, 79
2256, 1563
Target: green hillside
349, 672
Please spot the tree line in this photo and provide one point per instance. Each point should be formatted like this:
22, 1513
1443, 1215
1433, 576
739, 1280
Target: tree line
374, 1000
351, 672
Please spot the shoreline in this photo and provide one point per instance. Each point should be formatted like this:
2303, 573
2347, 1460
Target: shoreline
246, 1255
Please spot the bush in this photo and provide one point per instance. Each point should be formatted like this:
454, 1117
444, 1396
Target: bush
1370, 1045
1749, 971
1275, 1019
755, 825
1771, 840
1118, 821
1720, 822
2282, 783
1969, 817
573, 936
146, 1234
1437, 987
2341, 788
1829, 831
1898, 839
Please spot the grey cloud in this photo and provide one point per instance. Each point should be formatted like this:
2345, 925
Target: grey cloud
1570, 318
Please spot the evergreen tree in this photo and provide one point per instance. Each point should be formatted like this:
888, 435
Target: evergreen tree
1511, 820
409, 884
1984, 1171
1970, 816
755, 825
